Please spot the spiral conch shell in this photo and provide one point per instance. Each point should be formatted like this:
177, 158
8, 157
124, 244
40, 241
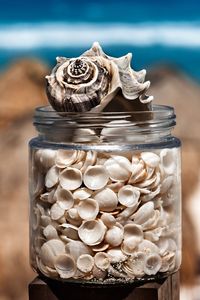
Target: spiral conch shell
91, 81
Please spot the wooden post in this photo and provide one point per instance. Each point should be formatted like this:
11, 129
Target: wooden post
45, 289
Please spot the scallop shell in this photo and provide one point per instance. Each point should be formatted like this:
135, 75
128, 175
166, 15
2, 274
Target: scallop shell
95, 177
65, 158
81, 84
128, 195
114, 236
77, 248
70, 179
102, 261
106, 199
85, 263
92, 232
88, 209
119, 168
65, 266
50, 250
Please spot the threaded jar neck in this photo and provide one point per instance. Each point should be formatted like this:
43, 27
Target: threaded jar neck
105, 127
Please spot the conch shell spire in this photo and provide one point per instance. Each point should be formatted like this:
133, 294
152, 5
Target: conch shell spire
90, 81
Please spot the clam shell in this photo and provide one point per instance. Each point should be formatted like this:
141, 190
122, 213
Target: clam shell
115, 186
99, 274
151, 159
45, 158
90, 159
50, 250
88, 209
45, 221
152, 264
114, 236
106, 199
135, 264
108, 220
92, 232
145, 212
127, 212
47, 271
129, 245
70, 179
76, 249
64, 198
116, 255
128, 196
65, 158
69, 231
148, 247
51, 178
85, 263
56, 212
100, 247
102, 261
168, 160
166, 184
50, 232
65, 266
82, 193
119, 168
95, 177
131, 230
73, 217
48, 196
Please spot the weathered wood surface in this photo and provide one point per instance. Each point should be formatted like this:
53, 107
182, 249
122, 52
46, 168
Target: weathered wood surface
166, 289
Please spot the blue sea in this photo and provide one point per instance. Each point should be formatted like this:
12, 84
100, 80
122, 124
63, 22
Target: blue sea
156, 32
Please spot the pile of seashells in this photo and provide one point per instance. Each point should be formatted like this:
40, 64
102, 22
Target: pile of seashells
102, 215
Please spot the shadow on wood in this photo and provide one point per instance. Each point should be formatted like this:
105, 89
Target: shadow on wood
45, 289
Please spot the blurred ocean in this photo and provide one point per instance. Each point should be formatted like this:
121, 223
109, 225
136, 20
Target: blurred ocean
155, 33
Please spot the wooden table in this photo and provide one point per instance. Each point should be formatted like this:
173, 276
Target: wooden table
45, 289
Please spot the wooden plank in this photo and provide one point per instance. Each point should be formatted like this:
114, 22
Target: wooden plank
166, 289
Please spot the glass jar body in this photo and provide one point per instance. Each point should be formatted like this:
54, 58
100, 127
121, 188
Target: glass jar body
105, 211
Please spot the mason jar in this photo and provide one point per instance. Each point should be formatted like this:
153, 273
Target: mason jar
105, 195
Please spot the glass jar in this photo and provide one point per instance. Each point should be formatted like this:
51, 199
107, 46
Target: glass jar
105, 195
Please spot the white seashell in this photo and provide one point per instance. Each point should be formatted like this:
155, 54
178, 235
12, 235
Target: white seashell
56, 212
99, 274
163, 245
76, 249
100, 247
90, 159
45, 157
78, 165
70, 179
127, 212
82, 193
129, 244
108, 220
65, 158
148, 247
45, 221
128, 195
106, 199
131, 230
151, 195
114, 236
51, 178
116, 255
137, 167
95, 177
64, 198
151, 159
69, 231
65, 266
50, 250
138, 177
92, 232
152, 264
168, 160
85, 263
166, 184
145, 212
153, 221
167, 261
73, 217
154, 234
135, 264
88, 209
48, 196
91, 80
119, 168
50, 232
115, 186
102, 261
47, 271
38, 180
